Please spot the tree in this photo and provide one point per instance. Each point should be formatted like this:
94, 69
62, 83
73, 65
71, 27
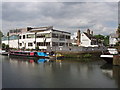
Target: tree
3, 46
106, 40
1, 35
118, 31
99, 36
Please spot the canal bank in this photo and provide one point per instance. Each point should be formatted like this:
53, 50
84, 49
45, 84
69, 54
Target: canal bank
80, 54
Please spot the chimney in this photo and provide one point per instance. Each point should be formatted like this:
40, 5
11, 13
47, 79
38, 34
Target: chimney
29, 28
78, 37
88, 31
92, 33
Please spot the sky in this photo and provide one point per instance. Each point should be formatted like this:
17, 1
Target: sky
99, 16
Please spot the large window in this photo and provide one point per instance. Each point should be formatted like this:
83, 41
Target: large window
54, 43
43, 43
54, 35
30, 44
61, 44
30, 36
67, 37
62, 36
47, 35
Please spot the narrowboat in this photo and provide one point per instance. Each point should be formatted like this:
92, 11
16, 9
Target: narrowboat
40, 54
109, 54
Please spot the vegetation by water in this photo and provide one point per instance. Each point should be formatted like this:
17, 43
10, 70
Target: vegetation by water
86, 57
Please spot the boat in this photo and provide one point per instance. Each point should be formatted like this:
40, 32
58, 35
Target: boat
109, 54
3, 52
56, 56
40, 54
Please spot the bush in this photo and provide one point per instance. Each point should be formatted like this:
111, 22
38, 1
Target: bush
87, 55
3, 46
37, 48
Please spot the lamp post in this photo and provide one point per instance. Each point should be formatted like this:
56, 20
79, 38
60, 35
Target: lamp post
18, 41
8, 40
35, 39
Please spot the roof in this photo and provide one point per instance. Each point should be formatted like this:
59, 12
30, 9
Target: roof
89, 36
40, 29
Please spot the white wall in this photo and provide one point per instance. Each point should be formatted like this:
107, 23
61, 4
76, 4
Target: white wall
85, 41
112, 41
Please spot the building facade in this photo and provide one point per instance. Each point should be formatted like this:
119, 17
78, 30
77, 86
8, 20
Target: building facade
113, 39
86, 39
41, 37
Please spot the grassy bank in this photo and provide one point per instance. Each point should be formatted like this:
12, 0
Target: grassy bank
82, 56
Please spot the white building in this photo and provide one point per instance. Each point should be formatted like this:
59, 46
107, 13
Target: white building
85, 39
41, 37
113, 39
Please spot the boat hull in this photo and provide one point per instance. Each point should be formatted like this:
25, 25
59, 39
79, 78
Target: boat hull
107, 58
29, 56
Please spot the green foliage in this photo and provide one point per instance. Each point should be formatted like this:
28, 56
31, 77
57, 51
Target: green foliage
28, 49
99, 36
87, 55
117, 44
1, 35
106, 40
37, 48
118, 30
3, 46
7, 47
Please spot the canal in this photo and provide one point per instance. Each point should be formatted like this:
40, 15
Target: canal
18, 72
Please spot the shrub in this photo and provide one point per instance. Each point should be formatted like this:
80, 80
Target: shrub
87, 55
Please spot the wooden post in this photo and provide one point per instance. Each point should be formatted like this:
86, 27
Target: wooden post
116, 60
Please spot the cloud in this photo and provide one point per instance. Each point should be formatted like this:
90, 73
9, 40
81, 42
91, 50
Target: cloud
70, 16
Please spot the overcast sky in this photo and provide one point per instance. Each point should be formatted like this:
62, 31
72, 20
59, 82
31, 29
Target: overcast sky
101, 17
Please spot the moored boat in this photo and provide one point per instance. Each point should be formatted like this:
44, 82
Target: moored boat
109, 54
40, 54
3, 52
56, 56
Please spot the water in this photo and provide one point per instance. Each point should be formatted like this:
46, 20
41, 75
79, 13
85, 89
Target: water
21, 72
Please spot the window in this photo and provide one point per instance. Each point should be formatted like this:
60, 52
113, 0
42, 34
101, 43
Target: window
43, 44
54, 35
66, 44
70, 44
61, 44
30, 36
40, 36
67, 37
23, 36
40, 44
20, 44
30, 44
20, 37
54, 43
62, 36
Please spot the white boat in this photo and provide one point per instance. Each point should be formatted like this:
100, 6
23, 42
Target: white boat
3, 52
109, 54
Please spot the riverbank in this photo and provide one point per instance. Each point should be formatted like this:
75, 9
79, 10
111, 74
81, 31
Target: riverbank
81, 54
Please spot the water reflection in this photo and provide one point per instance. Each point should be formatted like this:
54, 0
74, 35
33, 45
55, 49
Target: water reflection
21, 72
31, 60
112, 72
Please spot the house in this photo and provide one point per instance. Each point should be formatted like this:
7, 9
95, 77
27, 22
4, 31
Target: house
86, 39
41, 37
113, 39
